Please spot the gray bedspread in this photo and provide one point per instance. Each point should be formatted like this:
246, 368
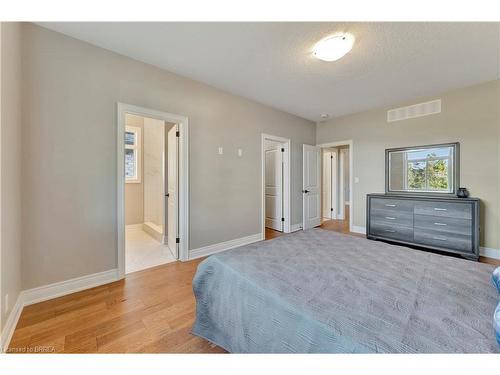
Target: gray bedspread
319, 291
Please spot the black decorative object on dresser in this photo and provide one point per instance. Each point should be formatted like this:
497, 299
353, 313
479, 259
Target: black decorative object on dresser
445, 224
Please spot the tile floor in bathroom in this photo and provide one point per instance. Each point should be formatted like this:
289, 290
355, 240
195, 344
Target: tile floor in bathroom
143, 251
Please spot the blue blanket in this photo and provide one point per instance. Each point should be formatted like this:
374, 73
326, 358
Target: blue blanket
318, 291
495, 278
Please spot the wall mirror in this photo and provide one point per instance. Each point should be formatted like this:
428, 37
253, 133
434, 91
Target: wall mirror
425, 170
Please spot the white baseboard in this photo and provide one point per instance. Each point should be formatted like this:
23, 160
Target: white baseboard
46, 292
358, 229
134, 226
11, 323
153, 230
62, 288
489, 252
295, 228
223, 246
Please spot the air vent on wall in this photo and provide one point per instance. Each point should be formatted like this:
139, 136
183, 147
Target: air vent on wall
415, 110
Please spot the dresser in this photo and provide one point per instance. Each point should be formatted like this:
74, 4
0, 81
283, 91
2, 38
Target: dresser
448, 224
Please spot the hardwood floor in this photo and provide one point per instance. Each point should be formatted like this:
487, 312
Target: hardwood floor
271, 233
341, 226
151, 311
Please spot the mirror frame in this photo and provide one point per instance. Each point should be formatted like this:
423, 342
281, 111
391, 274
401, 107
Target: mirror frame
456, 170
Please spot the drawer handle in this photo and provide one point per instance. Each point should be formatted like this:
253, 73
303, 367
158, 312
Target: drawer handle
440, 238
390, 218
442, 224
389, 230
390, 205
440, 209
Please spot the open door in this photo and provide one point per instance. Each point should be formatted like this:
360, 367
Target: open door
173, 191
274, 188
326, 198
311, 186
329, 184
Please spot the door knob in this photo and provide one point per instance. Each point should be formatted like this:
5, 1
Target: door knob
305, 191
167, 195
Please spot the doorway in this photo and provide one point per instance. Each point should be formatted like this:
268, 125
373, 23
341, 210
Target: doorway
327, 186
147, 145
275, 186
335, 189
152, 188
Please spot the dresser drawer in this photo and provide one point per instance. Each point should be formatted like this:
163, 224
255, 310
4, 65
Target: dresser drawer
391, 217
437, 238
440, 223
399, 205
395, 232
443, 224
444, 209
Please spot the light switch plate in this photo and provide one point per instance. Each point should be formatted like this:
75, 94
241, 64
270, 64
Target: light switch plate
220, 150
356, 180
240, 152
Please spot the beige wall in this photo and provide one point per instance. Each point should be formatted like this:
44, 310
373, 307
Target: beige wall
154, 171
134, 193
469, 115
69, 206
10, 165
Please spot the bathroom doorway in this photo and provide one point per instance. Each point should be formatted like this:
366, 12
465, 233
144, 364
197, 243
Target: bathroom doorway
147, 179
152, 188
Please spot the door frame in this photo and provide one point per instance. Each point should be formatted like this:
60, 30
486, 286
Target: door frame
183, 177
175, 252
341, 185
349, 143
334, 196
342, 180
286, 181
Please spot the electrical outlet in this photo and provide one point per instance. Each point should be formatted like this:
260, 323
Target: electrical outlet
6, 302
220, 150
240, 152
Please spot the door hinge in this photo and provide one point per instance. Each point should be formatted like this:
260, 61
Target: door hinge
282, 219
331, 209
177, 133
331, 156
177, 240
282, 150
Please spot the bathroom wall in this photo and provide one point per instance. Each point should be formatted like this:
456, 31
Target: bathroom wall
153, 152
134, 192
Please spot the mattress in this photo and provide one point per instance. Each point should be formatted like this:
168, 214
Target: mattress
319, 291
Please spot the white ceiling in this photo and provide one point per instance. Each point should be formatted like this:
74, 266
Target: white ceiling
272, 63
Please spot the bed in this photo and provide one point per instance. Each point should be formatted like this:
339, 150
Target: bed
319, 291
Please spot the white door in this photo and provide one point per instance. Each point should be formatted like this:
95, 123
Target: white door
341, 214
274, 188
311, 186
347, 198
172, 191
327, 185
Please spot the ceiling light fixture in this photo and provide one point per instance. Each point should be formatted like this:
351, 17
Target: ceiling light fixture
333, 47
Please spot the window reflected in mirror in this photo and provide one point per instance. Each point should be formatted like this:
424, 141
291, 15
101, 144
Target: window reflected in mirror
429, 169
